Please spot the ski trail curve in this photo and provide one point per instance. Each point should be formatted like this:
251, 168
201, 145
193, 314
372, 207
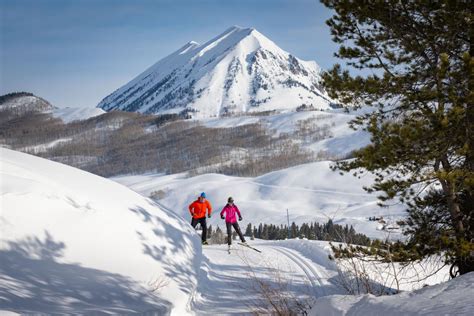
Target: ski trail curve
306, 267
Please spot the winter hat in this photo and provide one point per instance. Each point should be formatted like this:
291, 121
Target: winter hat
230, 200
203, 195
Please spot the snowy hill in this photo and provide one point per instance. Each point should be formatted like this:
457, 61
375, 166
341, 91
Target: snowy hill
311, 192
73, 242
23, 102
238, 71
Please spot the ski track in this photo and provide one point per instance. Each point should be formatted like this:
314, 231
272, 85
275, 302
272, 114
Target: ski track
306, 267
311, 272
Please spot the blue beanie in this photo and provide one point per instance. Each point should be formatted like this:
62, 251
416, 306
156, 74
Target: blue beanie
203, 195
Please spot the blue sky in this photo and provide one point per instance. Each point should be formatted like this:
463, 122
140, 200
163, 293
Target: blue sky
74, 53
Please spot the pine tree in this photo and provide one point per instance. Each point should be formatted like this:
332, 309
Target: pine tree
294, 231
248, 230
264, 232
418, 76
209, 232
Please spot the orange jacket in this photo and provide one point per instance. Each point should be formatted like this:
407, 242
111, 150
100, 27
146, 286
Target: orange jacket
198, 208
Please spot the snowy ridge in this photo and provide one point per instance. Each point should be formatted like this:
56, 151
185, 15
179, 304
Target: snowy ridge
238, 71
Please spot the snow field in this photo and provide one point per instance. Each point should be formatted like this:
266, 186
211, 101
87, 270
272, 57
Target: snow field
311, 192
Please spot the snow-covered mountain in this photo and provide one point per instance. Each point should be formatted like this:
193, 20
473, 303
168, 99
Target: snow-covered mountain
240, 70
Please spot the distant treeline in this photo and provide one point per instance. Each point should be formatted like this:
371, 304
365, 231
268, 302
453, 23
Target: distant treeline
313, 231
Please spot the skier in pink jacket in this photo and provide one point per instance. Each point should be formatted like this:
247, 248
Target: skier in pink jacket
231, 211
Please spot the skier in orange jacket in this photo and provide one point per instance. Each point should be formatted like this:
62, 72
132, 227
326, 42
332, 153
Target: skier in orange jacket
198, 212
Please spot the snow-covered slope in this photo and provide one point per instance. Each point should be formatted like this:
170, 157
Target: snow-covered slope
76, 114
450, 298
73, 242
339, 142
311, 192
23, 102
238, 71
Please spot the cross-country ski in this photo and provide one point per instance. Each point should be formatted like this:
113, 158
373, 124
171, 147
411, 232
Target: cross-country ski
248, 246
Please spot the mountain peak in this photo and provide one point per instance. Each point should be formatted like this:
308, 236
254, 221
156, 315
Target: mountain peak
237, 28
239, 70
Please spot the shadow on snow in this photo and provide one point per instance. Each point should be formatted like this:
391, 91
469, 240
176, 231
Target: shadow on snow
33, 281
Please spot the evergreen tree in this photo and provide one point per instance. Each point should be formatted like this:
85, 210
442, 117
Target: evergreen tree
248, 230
259, 231
264, 232
294, 231
209, 232
420, 82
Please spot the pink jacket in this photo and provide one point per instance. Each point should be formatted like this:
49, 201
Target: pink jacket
230, 213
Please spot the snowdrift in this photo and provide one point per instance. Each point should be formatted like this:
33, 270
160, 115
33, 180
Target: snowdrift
450, 298
75, 242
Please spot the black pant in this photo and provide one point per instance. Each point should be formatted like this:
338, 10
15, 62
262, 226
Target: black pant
201, 221
229, 232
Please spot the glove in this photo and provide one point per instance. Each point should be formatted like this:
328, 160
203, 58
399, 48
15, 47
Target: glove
209, 216
222, 216
240, 218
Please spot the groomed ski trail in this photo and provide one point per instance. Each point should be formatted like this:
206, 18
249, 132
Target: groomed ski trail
306, 267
